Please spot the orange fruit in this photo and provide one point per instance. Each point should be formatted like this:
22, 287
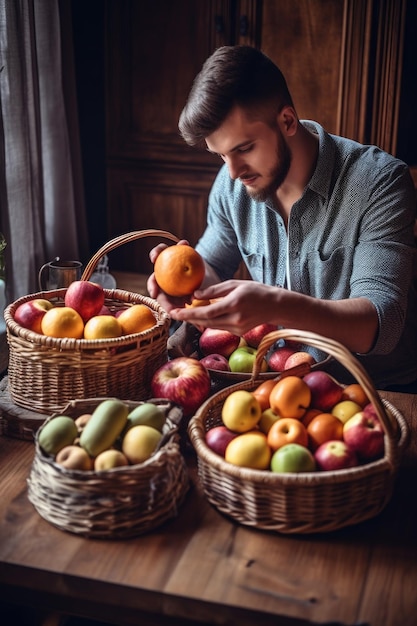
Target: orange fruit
263, 391
62, 322
290, 397
287, 430
136, 319
102, 327
196, 302
355, 393
324, 427
309, 415
179, 270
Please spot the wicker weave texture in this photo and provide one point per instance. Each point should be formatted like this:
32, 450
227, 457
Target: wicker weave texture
114, 504
307, 502
46, 373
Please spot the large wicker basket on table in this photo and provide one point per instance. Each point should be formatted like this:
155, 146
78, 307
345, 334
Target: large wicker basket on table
45, 373
305, 502
118, 503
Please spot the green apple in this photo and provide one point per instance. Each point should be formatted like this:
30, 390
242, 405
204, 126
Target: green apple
293, 458
147, 413
268, 418
241, 411
243, 359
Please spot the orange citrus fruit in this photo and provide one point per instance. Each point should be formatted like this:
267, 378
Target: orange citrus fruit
136, 319
196, 302
179, 270
324, 427
62, 322
355, 393
102, 327
263, 391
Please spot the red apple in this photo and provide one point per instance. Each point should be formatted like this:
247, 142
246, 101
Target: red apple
325, 390
216, 341
216, 362
183, 380
335, 455
30, 314
218, 438
254, 336
85, 297
278, 358
364, 433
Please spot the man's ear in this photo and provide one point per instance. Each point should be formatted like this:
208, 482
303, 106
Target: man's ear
288, 120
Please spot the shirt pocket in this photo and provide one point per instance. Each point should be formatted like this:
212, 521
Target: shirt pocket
328, 276
255, 263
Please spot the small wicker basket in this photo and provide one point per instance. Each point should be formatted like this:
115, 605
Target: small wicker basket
306, 502
118, 503
45, 373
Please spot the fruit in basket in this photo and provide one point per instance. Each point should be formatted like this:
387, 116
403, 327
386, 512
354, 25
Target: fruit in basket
263, 391
85, 297
325, 390
81, 421
364, 433
146, 413
242, 360
216, 362
140, 442
182, 380
216, 341
30, 314
241, 411
179, 270
287, 430
324, 427
136, 319
278, 358
254, 336
105, 425
293, 458
109, 459
75, 458
250, 450
59, 432
356, 393
268, 418
62, 322
298, 358
218, 438
345, 409
335, 455
102, 327
290, 397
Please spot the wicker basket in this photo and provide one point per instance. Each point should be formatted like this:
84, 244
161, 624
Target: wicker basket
114, 504
46, 373
306, 502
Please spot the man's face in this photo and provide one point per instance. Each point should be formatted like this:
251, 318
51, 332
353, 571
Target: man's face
254, 152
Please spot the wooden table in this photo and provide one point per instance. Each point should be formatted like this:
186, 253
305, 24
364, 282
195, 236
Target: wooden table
205, 568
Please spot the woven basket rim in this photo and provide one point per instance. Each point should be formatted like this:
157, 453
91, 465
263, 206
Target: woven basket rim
115, 295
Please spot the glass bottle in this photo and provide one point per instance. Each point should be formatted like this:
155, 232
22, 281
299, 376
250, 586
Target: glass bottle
102, 275
2, 283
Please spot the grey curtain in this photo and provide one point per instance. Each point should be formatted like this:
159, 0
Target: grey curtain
42, 210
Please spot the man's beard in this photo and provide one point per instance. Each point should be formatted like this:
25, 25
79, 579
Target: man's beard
278, 173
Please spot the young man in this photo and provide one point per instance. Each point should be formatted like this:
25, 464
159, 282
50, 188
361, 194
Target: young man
324, 224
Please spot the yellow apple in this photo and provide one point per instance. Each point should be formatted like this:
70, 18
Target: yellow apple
108, 459
75, 458
241, 411
140, 442
249, 449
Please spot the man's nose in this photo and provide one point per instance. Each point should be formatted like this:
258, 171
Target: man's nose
234, 166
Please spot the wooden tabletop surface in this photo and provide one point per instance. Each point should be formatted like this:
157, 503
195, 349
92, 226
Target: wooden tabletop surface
206, 568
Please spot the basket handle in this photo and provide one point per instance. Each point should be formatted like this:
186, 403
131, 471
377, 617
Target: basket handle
343, 356
119, 241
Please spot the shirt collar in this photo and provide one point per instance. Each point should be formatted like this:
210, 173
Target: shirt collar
321, 179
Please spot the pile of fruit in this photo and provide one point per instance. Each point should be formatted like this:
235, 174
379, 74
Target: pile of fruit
111, 436
84, 315
221, 350
298, 424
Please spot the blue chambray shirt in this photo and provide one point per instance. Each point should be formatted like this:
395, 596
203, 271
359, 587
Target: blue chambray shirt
349, 235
